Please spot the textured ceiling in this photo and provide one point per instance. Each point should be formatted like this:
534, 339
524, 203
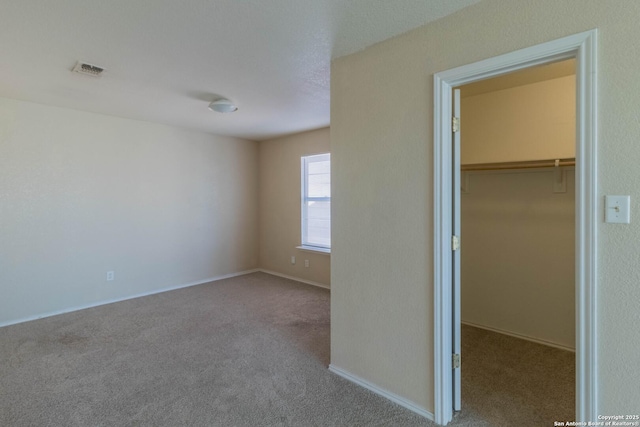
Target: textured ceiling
165, 60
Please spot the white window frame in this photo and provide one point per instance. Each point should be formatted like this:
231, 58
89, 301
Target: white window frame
304, 163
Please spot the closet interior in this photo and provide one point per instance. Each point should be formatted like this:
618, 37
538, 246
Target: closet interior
517, 204
518, 210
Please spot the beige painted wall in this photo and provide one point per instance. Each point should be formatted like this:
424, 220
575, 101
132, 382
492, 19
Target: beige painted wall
518, 255
382, 156
84, 193
280, 206
529, 122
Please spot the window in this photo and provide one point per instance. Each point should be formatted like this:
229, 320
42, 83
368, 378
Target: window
316, 202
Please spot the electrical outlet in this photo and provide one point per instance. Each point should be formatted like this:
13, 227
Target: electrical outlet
306, 263
293, 259
111, 275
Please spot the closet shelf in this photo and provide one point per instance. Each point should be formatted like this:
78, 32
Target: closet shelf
519, 165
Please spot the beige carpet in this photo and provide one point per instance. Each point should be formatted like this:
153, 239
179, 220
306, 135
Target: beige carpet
247, 351
511, 382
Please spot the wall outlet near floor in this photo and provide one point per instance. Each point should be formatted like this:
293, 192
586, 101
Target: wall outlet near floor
111, 275
306, 263
293, 259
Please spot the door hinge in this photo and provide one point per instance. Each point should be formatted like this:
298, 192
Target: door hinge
455, 124
455, 243
455, 361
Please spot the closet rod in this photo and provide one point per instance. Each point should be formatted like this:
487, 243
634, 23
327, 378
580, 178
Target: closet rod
519, 165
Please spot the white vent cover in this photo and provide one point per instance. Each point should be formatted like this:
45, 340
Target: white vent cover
88, 69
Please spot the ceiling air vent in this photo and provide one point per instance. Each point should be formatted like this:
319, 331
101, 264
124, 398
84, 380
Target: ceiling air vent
88, 69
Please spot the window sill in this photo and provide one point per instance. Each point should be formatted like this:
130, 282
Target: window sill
325, 251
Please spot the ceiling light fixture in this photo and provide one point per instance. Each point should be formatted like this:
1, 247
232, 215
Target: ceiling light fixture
223, 105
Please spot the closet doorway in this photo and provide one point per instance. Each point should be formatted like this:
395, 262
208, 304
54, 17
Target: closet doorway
582, 47
517, 268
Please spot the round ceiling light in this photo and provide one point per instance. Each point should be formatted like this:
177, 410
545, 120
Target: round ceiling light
223, 105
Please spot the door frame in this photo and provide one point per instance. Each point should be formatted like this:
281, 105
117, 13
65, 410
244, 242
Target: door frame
583, 47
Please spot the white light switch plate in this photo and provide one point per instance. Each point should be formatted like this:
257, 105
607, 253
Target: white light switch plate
617, 209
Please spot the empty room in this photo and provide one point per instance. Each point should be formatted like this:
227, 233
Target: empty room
220, 212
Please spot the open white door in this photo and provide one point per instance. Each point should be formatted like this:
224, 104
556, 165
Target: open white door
455, 339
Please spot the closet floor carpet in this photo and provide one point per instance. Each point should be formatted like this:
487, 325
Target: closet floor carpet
509, 381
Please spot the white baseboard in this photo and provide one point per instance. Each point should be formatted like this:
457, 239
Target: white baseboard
104, 302
384, 393
297, 279
522, 337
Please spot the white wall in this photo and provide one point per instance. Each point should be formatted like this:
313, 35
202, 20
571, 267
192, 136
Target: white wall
382, 157
82, 193
518, 255
280, 206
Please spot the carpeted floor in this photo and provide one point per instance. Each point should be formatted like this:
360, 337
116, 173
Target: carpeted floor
246, 351
513, 382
